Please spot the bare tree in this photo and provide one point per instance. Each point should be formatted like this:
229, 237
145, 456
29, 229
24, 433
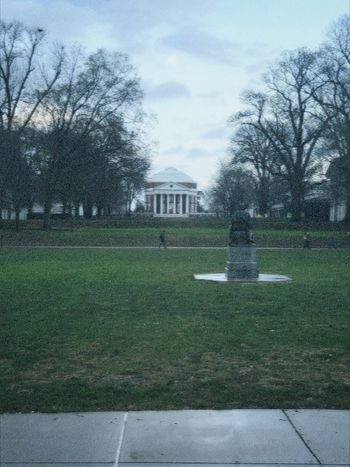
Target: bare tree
24, 83
250, 146
287, 115
20, 174
233, 190
332, 92
93, 90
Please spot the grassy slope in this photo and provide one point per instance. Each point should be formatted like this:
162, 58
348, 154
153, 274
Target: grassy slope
94, 330
176, 234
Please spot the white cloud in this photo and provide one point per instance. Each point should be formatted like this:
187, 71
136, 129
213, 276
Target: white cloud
171, 60
202, 45
198, 152
174, 150
167, 90
216, 133
209, 95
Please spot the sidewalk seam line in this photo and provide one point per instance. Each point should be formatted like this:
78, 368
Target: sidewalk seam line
121, 439
300, 436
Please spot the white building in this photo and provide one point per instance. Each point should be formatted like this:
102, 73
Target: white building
171, 193
337, 211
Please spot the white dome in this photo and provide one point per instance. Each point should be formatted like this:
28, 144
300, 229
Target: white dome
171, 174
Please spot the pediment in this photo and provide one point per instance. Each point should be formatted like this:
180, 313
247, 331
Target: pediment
171, 186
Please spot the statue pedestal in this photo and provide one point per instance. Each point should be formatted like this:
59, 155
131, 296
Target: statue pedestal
241, 263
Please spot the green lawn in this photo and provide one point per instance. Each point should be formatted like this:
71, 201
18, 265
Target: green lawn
130, 329
190, 234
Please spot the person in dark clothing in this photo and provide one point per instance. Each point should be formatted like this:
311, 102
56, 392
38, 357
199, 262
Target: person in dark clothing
307, 241
162, 240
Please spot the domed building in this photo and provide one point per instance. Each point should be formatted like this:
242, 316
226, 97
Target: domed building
171, 193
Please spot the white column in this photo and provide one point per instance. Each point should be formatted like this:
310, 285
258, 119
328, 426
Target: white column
180, 204
167, 203
155, 203
187, 204
161, 203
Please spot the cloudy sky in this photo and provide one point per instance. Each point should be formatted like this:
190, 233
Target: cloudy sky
195, 57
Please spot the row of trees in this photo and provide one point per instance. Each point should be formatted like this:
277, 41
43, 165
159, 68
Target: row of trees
290, 130
71, 125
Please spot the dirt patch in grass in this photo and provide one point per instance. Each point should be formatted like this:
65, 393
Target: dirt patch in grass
317, 370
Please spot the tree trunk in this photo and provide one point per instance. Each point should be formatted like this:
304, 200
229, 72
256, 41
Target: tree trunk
47, 212
76, 211
17, 212
264, 197
297, 200
99, 210
88, 210
347, 210
347, 197
296, 209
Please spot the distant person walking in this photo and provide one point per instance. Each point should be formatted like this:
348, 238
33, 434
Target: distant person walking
307, 241
162, 241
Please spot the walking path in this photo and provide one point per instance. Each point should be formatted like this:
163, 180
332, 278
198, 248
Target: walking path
108, 247
185, 438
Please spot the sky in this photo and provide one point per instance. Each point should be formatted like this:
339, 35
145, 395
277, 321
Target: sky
194, 58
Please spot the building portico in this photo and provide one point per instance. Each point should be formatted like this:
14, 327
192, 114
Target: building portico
171, 193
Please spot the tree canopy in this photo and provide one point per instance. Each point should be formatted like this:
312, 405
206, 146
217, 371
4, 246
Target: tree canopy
71, 125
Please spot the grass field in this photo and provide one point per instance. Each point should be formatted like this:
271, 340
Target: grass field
186, 232
130, 329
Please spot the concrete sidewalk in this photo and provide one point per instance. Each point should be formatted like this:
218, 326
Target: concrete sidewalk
177, 438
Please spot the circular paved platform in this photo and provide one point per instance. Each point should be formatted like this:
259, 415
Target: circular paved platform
221, 277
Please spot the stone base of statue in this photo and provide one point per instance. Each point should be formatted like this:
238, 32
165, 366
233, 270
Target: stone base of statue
241, 259
221, 277
241, 263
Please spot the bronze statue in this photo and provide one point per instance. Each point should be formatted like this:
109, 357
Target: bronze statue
240, 230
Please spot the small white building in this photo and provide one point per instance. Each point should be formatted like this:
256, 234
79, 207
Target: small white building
171, 193
337, 211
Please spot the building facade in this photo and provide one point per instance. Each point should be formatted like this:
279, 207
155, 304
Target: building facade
171, 193
337, 211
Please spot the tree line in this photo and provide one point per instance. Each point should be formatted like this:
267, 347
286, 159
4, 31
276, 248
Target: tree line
71, 126
291, 130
